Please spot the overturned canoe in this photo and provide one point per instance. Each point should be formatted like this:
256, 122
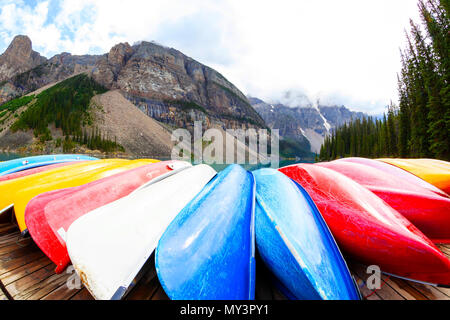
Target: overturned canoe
368, 229
207, 253
17, 165
436, 172
295, 242
401, 174
18, 192
30, 172
427, 210
49, 215
109, 246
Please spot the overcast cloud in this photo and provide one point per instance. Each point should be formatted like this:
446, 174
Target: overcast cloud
343, 52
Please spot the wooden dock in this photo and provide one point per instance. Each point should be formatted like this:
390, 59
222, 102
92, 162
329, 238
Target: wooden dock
27, 274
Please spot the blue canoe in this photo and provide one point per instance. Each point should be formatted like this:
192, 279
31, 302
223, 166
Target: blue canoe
295, 242
22, 164
208, 252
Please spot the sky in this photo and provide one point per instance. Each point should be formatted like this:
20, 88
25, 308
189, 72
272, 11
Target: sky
342, 52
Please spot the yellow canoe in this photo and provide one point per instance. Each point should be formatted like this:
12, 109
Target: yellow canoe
436, 172
18, 192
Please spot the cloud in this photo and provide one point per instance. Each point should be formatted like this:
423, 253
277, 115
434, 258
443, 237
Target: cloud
345, 52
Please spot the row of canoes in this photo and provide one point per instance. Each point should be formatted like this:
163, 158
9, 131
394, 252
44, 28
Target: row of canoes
109, 217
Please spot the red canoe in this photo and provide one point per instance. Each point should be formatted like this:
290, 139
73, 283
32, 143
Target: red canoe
49, 215
427, 210
29, 172
368, 229
401, 174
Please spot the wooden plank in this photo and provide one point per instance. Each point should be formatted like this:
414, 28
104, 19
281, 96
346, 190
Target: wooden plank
16, 274
386, 292
37, 285
432, 293
17, 252
445, 250
8, 239
61, 293
2, 296
403, 287
445, 291
359, 274
15, 246
44, 288
160, 294
145, 288
83, 294
30, 282
12, 264
6, 229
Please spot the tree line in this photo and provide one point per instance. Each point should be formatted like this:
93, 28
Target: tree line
66, 106
419, 126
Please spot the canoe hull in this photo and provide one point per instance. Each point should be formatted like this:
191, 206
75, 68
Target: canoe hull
107, 259
26, 173
369, 230
295, 243
436, 172
397, 172
20, 191
207, 253
49, 215
17, 165
427, 210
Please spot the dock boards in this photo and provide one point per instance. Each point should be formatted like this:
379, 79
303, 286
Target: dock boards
27, 264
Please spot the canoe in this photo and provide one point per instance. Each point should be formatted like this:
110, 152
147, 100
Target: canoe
368, 229
436, 172
109, 246
49, 215
207, 253
30, 172
427, 210
18, 192
395, 171
17, 165
295, 243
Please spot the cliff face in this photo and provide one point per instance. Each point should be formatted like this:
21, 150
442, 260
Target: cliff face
163, 82
173, 88
60, 67
312, 123
18, 58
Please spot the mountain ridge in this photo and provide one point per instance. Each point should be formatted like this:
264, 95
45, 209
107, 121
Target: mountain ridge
171, 89
309, 122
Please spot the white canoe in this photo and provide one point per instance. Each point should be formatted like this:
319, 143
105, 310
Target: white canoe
109, 246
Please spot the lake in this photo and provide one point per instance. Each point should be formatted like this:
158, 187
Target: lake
217, 167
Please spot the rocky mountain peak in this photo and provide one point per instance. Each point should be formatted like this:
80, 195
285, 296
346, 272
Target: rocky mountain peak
21, 46
119, 54
19, 57
303, 121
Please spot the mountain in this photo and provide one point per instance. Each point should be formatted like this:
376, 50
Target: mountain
18, 57
86, 102
173, 88
308, 122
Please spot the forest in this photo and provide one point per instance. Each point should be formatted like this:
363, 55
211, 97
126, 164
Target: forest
66, 106
418, 126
